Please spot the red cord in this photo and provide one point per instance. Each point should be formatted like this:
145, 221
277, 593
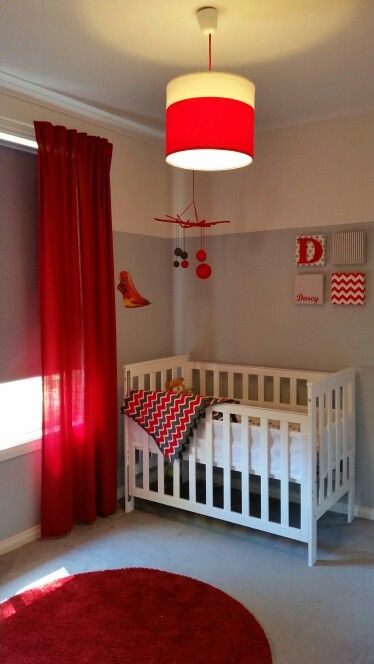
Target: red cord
210, 52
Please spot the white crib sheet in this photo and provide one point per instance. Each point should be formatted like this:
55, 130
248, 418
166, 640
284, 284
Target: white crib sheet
298, 449
297, 458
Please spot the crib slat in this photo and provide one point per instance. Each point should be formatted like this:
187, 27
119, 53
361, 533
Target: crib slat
163, 380
293, 392
304, 487
245, 465
339, 429
245, 386
202, 381
176, 479
264, 469
322, 449
276, 390
329, 443
260, 388
345, 433
160, 473
285, 473
192, 469
230, 385
187, 375
335, 429
141, 382
132, 472
146, 464
209, 457
215, 383
226, 462
152, 381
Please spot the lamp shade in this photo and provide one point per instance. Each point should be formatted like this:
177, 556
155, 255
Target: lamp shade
209, 121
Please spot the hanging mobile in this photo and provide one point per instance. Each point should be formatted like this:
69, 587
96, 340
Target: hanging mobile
184, 254
203, 270
177, 250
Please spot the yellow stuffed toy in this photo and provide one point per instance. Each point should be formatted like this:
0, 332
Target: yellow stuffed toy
175, 385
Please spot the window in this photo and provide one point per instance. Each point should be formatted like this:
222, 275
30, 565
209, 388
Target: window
20, 369
20, 411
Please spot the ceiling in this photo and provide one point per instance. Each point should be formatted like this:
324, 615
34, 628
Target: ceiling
309, 59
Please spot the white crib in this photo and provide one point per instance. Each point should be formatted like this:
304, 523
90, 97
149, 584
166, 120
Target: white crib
286, 460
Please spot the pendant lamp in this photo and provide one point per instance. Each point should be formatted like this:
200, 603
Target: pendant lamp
209, 115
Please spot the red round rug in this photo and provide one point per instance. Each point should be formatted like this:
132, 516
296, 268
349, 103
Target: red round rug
129, 616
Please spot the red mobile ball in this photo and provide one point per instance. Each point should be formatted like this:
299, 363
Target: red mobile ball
184, 263
201, 255
203, 271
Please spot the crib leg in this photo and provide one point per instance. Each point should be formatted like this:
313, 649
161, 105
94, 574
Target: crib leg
129, 504
351, 504
312, 544
129, 500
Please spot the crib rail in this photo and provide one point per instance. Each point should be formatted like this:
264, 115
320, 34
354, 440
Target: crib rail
332, 459
153, 374
260, 386
254, 505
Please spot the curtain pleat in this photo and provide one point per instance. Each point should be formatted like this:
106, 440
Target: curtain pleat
79, 452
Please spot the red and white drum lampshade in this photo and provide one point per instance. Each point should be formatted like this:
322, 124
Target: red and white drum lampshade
210, 121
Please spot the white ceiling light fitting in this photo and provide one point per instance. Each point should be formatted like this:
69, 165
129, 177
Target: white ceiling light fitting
209, 115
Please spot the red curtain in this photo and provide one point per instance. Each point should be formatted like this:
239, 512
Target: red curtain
79, 453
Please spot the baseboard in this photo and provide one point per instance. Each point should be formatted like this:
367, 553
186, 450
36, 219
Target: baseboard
32, 534
365, 513
360, 512
19, 539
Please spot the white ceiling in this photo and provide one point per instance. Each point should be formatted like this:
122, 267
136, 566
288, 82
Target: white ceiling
309, 59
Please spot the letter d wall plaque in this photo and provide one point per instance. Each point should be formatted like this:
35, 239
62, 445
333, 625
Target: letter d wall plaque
310, 250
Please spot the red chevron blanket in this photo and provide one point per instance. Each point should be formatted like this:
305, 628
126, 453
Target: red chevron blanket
169, 418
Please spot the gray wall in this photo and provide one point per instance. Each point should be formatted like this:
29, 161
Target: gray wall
141, 333
146, 332
245, 313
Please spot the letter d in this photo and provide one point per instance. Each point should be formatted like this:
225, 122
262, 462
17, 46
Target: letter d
303, 247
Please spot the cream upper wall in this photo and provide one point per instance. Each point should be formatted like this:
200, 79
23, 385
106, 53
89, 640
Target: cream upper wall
319, 174
139, 174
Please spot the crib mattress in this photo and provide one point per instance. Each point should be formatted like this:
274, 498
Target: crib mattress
298, 447
297, 458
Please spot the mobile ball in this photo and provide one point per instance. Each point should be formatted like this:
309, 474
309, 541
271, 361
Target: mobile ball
203, 271
176, 263
184, 263
184, 254
178, 251
201, 255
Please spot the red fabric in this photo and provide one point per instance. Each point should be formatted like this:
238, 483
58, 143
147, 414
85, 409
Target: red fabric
130, 616
168, 417
209, 122
78, 328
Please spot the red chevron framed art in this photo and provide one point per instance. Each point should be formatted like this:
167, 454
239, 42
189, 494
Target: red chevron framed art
348, 288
